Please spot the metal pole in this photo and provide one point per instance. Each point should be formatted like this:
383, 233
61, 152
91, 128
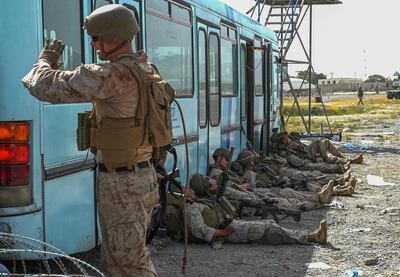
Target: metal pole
309, 71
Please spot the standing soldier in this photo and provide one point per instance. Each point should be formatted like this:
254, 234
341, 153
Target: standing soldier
127, 182
360, 95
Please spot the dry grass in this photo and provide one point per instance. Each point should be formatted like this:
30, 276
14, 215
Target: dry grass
344, 113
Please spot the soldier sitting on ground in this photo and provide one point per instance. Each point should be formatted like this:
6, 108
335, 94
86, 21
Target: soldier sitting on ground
215, 222
325, 148
244, 188
284, 147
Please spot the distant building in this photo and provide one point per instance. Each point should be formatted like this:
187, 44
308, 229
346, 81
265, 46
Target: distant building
338, 81
298, 84
340, 84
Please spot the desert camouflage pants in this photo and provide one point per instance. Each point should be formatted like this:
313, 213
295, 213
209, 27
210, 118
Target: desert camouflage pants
314, 180
286, 198
264, 232
300, 164
290, 198
327, 151
125, 205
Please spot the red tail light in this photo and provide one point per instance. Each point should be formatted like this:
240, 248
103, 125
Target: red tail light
14, 175
14, 153
14, 132
14, 162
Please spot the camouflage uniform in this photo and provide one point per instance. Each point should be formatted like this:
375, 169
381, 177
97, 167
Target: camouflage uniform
303, 164
260, 231
288, 198
326, 150
125, 199
313, 180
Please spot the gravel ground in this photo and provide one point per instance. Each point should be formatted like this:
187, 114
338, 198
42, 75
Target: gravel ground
360, 236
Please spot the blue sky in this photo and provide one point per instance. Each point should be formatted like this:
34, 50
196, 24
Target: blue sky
350, 37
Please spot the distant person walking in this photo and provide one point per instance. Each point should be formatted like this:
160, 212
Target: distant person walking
360, 95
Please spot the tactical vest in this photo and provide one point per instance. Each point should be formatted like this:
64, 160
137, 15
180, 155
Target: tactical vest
216, 213
118, 138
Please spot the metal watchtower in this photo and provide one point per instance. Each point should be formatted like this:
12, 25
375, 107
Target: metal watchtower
286, 17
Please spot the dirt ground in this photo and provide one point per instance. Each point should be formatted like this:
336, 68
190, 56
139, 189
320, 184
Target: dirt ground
361, 236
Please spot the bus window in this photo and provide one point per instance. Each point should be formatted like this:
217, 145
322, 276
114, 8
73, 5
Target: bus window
243, 80
62, 20
169, 46
228, 64
180, 13
202, 79
258, 69
160, 6
213, 77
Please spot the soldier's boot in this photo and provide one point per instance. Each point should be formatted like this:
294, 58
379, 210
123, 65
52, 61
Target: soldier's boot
357, 160
346, 166
320, 235
342, 191
352, 182
346, 175
340, 181
325, 195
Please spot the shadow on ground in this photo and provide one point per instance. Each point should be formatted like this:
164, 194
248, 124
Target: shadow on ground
242, 259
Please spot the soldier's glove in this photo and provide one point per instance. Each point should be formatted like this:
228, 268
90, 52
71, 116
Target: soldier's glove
51, 52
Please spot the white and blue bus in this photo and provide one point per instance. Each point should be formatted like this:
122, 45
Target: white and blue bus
223, 65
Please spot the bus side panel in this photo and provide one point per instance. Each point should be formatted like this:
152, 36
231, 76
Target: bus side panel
19, 51
69, 215
28, 226
189, 110
231, 139
231, 121
17, 58
69, 200
59, 138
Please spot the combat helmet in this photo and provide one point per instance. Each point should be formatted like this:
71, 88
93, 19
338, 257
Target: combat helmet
274, 138
198, 184
294, 135
282, 134
112, 23
222, 152
245, 156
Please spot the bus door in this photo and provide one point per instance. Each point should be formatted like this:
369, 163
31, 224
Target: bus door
209, 103
257, 93
270, 111
68, 183
243, 92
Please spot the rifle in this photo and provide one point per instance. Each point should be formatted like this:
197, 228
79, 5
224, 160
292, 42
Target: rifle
223, 180
269, 207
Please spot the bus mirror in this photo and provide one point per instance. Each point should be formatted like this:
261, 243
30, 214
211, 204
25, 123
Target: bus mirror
100, 3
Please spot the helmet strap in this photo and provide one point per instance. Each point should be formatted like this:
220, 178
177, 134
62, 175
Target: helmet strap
112, 51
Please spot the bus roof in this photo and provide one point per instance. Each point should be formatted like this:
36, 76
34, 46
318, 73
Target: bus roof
230, 13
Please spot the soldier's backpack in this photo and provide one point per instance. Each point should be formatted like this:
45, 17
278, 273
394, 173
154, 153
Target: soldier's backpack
156, 96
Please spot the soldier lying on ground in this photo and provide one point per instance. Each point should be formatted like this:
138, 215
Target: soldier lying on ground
241, 189
246, 159
215, 222
325, 148
284, 147
251, 167
344, 184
